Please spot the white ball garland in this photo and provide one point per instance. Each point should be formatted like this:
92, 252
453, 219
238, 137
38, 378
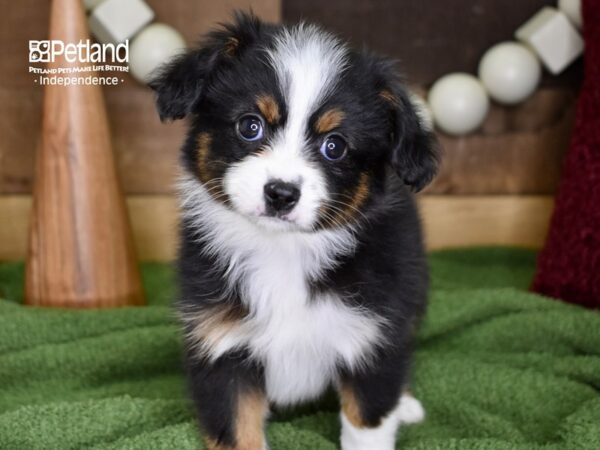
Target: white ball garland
152, 47
119, 20
510, 72
459, 103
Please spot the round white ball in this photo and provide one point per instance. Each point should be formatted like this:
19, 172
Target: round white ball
459, 103
572, 8
152, 47
510, 72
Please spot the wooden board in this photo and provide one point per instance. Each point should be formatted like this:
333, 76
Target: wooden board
429, 38
450, 221
519, 150
459, 221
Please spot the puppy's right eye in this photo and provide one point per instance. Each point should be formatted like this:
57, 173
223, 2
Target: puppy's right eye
250, 128
334, 147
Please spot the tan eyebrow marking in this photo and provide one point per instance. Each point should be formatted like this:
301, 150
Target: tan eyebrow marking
329, 120
268, 107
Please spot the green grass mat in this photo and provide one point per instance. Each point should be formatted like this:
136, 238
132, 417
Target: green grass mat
496, 368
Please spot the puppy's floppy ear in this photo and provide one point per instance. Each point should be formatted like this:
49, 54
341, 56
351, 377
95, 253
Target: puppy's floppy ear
180, 83
414, 151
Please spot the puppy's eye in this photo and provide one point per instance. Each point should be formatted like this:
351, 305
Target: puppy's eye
334, 148
250, 128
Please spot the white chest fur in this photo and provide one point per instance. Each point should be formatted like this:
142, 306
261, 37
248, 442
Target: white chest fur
300, 340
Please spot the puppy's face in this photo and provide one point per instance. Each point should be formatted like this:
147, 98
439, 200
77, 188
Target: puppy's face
290, 128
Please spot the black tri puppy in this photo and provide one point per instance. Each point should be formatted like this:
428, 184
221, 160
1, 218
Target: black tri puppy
301, 260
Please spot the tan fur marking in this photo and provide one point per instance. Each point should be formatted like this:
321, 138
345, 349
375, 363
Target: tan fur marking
210, 326
206, 165
231, 46
339, 213
203, 141
350, 406
214, 445
388, 96
269, 108
252, 409
329, 120
360, 195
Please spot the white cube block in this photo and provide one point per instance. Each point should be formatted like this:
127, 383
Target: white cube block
553, 38
114, 21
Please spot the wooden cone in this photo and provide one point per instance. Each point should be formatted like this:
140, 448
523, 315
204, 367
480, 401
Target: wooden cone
81, 251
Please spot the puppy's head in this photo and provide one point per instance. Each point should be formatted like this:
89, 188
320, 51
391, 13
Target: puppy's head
290, 128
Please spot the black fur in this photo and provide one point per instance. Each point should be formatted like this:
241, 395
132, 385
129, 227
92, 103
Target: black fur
216, 83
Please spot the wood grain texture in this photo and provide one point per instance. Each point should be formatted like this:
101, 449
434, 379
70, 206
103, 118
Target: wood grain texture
154, 220
519, 150
464, 221
449, 221
80, 249
429, 38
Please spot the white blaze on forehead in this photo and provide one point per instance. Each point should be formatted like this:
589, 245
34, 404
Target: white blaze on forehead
308, 62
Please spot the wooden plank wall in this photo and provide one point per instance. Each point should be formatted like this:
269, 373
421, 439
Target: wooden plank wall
495, 185
449, 221
519, 149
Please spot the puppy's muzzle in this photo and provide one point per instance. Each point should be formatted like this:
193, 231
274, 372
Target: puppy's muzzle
280, 197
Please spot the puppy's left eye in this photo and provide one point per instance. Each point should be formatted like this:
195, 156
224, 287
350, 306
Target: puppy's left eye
334, 147
250, 128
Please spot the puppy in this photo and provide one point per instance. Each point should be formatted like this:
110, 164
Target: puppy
301, 260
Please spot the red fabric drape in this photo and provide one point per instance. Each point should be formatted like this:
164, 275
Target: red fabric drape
569, 265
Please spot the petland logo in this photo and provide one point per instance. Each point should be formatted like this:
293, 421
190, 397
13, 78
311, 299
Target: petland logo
84, 52
92, 59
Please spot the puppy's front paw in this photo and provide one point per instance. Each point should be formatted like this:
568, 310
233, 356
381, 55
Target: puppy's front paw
410, 410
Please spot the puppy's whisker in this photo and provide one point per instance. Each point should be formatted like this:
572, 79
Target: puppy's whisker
330, 220
349, 206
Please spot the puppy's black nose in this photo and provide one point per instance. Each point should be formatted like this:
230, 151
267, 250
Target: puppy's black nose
281, 197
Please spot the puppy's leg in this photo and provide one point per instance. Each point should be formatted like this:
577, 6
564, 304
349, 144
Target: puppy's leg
230, 401
373, 406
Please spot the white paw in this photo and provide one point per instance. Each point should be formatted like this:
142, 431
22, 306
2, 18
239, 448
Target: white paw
382, 437
410, 410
